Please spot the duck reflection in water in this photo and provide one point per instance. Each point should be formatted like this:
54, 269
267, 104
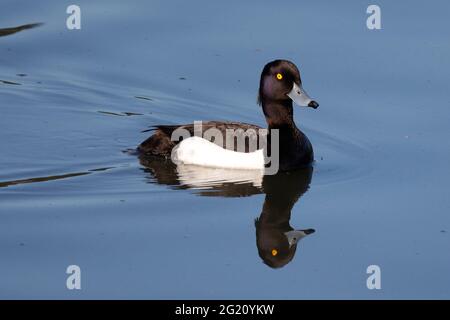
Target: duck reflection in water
276, 240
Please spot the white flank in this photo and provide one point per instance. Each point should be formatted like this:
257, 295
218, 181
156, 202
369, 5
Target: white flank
201, 152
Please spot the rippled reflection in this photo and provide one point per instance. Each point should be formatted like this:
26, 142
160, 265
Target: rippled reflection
276, 240
4, 184
9, 31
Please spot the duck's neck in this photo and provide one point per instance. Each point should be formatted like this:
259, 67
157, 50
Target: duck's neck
280, 115
294, 148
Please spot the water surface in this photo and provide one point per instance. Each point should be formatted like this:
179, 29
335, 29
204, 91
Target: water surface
72, 101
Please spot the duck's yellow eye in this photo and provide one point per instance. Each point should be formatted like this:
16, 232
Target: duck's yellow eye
279, 76
274, 252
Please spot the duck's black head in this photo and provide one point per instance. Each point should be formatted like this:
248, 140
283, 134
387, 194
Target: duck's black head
281, 84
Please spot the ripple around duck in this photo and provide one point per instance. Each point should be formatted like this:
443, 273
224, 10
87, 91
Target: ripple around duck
339, 160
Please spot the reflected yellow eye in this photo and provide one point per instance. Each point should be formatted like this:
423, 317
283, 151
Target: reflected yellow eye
274, 251
279, 76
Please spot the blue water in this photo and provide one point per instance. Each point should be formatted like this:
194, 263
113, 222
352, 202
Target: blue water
72, 101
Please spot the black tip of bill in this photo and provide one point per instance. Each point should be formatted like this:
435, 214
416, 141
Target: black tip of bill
313, 104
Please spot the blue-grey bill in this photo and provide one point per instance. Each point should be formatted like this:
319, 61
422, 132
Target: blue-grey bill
299, 96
